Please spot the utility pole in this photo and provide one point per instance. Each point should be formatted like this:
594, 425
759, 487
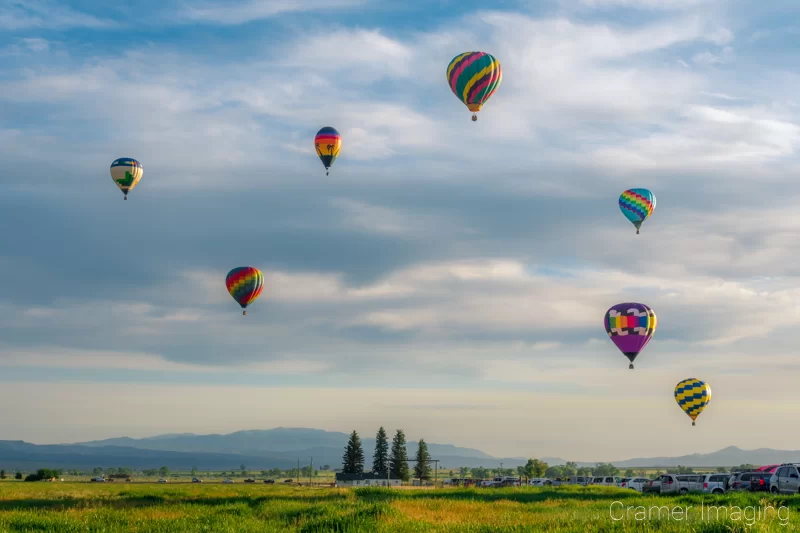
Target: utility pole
298, 470
501, 469
311, 473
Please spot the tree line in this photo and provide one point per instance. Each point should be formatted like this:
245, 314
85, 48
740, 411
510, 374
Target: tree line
387, 461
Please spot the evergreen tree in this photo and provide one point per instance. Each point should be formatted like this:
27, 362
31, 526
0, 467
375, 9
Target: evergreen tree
353, 458
398, 460
422, 470
381, 455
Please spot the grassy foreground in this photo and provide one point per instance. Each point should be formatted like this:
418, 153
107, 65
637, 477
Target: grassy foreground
66, 507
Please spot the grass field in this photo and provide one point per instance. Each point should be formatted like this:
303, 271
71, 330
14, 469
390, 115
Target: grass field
70, 507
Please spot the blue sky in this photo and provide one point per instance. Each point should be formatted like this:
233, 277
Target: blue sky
442, 263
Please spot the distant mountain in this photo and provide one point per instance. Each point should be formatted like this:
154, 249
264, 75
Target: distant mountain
730, 456
282, 447
26, 456
290, 443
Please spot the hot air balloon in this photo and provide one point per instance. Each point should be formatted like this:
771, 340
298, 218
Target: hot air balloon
637, 205
474, 77
328, 142
245, 285
630, 326
126, 173
692, 396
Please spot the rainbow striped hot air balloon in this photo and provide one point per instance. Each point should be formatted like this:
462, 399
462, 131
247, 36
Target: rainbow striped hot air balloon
474, 77
692, 396
637, 205
328, 143
630, 327
245, 285
126, 173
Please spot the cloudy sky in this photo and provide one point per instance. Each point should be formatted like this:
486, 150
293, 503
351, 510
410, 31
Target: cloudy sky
449, 278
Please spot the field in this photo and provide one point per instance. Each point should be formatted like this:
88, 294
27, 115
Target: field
71, 507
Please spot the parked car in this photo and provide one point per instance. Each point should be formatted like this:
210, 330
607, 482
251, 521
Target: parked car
162, 480
269, 481
539, 482
786, 479
249, 480
715, 483
606, 481
580, 480
681, 483
228, 480
654, 486
760, 482
288, 481
635, 483
196, 480
741, 481
98, 480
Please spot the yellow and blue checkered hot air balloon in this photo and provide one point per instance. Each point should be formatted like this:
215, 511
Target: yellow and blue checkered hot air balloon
692, 396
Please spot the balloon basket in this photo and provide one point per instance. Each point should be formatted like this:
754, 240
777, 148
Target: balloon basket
474, 117
125, 198
637, 232
244, 313
692, 422
630, 366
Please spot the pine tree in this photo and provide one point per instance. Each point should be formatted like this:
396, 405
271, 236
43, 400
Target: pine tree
398, 460
381, 455
422, 470
353, 458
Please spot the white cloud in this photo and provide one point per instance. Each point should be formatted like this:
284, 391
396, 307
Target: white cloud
18, 15
242, 11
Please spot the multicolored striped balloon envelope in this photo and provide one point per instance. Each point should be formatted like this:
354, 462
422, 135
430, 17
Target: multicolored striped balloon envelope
126, 173
692, 396
328, 143
630, 326
474, 77
245, 285
637, 205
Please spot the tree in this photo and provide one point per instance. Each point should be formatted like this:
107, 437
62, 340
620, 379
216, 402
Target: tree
722, 470
522, 473
194, 471
243, 469
398, 460
306, 471
629, 472
535, 468
422, 468
584, 471
97, 471
463, 472
606, 469
480, 473
381, 456
570, 469
163, 471
327, 467
353, 458
2, 474
18, 475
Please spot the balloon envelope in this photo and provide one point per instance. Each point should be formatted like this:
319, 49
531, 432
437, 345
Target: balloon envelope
692, 396
474, 77
637, 205
328, 143
245, 284
630, 326
126, 173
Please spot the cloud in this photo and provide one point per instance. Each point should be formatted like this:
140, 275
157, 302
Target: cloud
17, 15
240, 12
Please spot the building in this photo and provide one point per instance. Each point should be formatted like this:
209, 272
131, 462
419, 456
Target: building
367, 479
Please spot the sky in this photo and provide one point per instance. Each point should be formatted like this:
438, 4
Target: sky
449, 277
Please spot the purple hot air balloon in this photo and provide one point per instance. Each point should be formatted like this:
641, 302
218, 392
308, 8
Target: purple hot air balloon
630, 326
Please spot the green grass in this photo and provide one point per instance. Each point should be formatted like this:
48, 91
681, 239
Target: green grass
72, 507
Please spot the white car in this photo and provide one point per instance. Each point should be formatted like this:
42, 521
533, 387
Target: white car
606, 481
227, 481
539, 482
98, 480
714, 483
162, 480
786, 479
635, 483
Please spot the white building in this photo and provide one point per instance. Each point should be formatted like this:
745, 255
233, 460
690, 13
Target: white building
367, 479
